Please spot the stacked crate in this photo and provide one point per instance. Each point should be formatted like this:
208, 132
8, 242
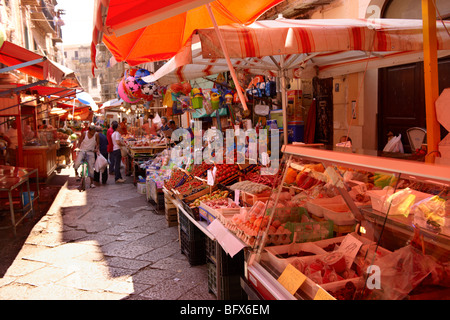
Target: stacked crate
224, 272
171, 211
192, 241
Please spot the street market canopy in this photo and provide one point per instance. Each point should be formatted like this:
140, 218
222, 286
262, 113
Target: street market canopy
35, 65
144, 31
301, 48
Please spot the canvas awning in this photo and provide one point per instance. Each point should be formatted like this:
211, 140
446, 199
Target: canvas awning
301, 48
143, 31
307, 48
35, 65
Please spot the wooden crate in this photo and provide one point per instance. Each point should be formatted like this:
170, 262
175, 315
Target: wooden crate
168, 202
171, 216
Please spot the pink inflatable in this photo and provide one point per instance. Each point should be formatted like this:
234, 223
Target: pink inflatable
123, 94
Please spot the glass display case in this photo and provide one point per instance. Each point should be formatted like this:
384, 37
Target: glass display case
368, 227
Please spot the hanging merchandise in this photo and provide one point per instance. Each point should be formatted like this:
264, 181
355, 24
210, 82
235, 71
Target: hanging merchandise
131, 86
207, 106
186, 88
148, 90
123, 94
167, 101
270, 88
197, 98
176, 87
228, 97
215, 100
140, 74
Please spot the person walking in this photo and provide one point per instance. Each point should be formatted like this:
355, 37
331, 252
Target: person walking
89, 144
109, 133
116, 138
103, 146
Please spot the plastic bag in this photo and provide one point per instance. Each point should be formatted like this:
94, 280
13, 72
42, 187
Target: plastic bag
394, 145
403, 270
399, 203
101, 163
430, 213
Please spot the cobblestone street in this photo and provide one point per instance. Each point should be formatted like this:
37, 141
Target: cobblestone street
106, 243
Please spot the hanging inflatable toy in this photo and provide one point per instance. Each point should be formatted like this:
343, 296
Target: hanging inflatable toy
148, 90
123, 94
131, 85
141, 73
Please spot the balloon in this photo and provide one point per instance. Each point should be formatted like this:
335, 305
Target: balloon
147, 91
176, 87
140, 74
131, 85
186, 88
122, 93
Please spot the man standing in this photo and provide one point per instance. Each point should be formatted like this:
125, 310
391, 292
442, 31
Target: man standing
117, 154
123, 127
110, 147
89, 143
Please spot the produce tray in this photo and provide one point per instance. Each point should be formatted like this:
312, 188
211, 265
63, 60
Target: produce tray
378, 197
315, 206
310, 231
251, 199
193, 212
280, 263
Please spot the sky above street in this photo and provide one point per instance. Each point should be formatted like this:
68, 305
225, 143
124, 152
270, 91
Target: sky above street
78, 21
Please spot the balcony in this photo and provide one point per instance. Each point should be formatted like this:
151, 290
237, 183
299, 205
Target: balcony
30, 2
43, 17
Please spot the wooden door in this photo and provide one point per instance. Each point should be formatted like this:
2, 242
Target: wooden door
401, 103
323, 92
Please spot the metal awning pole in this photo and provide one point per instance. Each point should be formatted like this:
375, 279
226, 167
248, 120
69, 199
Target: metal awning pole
227, 57
431, 78
23, 65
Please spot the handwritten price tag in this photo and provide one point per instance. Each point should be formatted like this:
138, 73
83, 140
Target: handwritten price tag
291, 279
321, 294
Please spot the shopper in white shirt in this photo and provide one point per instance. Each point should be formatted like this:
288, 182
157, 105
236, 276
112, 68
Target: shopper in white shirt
89, 144
116, 138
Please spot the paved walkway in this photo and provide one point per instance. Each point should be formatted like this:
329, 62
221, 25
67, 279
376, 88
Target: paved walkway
105, 243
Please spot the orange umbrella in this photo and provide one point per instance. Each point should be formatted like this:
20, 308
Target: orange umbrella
143, 31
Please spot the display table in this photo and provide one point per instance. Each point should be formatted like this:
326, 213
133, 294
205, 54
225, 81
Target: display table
42, 158
12, 178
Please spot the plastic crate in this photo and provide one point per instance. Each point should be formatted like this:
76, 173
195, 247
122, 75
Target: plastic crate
310, 231
288, 214
194, 250
190, 229
210, 246
230, 286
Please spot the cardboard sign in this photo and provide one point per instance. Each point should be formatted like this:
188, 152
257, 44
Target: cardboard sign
350, 247
291, 279
321, 294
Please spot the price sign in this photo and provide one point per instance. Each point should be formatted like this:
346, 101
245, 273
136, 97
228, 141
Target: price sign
236, 196
350, 247
321, 294
291, 279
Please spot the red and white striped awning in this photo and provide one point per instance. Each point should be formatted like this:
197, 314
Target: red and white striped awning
302, 48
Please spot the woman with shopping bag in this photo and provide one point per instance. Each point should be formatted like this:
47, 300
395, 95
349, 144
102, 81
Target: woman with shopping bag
100, 161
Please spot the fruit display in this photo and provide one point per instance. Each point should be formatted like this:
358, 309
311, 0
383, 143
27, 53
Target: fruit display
249, 186
218, 194
176, 179
221, 203
267, 180
226, 171
200, 170
189, 186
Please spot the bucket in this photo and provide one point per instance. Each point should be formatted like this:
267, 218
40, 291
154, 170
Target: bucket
296, 131
25, 197
197, 102
215, 101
